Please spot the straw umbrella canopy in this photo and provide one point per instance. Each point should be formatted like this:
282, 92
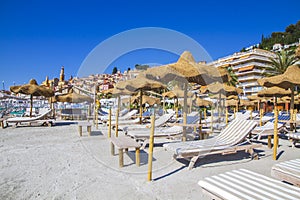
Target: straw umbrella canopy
288, 80
32, 89
203, 102
140, 83
73, 98
231, 102
146, 99
244, 102
222, 88
176, 93
186, 70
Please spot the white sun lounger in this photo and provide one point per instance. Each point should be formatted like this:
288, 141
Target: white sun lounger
294, 137
158, 122
228, 141
244, 184
288, 171
161, 132
41, 118
126, 116
268, 129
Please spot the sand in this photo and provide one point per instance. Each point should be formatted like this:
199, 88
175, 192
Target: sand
55, 163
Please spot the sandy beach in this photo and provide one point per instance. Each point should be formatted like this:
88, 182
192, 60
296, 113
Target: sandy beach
55, 163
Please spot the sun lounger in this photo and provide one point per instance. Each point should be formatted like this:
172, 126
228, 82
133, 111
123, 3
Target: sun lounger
158, 122
228, 141
160, 132
41, 119
268, 129
244, 184
294, 137
124, 117
288, 171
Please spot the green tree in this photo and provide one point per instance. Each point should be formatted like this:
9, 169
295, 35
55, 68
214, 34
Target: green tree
115, 70
141, 67
280, 63
233, 80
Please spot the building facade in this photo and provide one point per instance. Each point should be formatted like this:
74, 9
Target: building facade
248, 66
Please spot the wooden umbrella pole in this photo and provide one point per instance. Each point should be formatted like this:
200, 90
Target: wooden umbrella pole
176, 108
109, 123
260, 117
204, 113
164, 102
234, 112
151, 144
117, 118
184, 112
275, 131
212, 118
31, 105
141, 106
292, 106
226, 115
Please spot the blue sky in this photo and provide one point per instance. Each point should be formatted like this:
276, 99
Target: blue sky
38, 37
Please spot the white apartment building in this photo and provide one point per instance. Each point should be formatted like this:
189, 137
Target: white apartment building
248, 66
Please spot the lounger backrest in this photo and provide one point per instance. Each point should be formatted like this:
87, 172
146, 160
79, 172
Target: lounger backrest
162, 119
173, 130
236, 131
123, 112
130, 114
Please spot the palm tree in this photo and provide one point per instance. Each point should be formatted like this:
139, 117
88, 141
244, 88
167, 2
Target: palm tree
280, 63
233, 80
297, 52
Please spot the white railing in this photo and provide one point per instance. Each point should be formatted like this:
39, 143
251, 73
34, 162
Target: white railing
243, 78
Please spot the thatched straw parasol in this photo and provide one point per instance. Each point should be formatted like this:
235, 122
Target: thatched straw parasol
203, 102
140, 83
73, 98
222, 88
145, 99
274, 92
186, 69
231, 102
176, 93
32, 89
288, 80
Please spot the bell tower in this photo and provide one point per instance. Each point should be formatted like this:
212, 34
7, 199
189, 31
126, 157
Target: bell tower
62, 74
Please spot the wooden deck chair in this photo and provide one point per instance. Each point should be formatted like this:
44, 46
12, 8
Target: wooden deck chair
288, 171
244, 184
228, 141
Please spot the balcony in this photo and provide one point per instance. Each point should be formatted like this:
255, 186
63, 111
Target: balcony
248, 84
258, 64
245, 78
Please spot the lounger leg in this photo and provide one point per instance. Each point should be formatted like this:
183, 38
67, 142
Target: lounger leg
137, 156
112, 149
269, 141
144, 144
89, 129
254, 155
80, 130
192, 162
121, 159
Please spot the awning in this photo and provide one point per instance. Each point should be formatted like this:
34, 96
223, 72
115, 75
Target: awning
248, 68
245, 56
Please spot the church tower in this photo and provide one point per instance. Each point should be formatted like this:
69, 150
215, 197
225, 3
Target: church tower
62, 74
